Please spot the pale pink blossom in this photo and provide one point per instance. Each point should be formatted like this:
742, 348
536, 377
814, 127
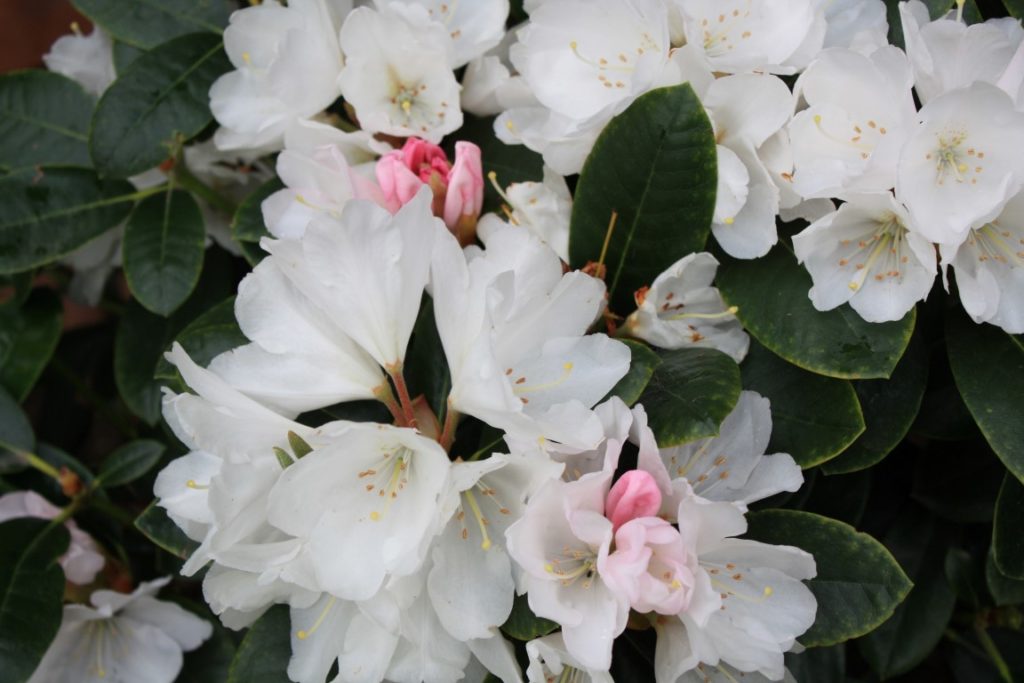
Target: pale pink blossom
83, 558
651, 566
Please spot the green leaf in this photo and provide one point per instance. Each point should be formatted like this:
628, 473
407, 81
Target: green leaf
689, 395
140, 343
163, 97
31, 593
890, 407
814, 418
841, 496
124, 55
209, 335
523, 624
209, 663
858, 585
426, 365
509, 163
1004, 590
654, 165
15, 433
28, 338
641, 368
129, 462
163, 247
44, 119
939, 482
158, 527
913, 631
147, 23
771, 293
264, 653
1007, 535
247, 227
819, 664
46, 213
988, 366
1015, 8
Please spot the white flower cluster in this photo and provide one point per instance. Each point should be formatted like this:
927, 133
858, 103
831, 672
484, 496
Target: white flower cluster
946, 178
399, 562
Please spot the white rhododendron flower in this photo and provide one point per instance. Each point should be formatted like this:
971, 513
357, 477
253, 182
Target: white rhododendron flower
122, 639
861, 25
741, 36
287, 60
87, 60
870, 254
398, 72
543, 208
83, 558
960, 166
989, 269
859, 114
947, 54
682, 309
475, 27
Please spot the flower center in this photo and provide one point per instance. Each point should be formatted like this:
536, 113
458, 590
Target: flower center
468, 499
862, 138
994, 244
719, 31
624, 62
387, 480
953, 161
884, 251
574, 564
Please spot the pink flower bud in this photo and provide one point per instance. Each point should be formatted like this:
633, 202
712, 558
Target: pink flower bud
458, 190
634, 495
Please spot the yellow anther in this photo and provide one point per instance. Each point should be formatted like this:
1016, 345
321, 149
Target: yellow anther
375, 516
729, 221
193, 484
247, 58
406, 106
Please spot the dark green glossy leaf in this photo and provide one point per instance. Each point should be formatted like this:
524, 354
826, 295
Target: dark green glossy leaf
1008, 528
46, 213
689, 395
163, 250
210, 663
655, 166
124, 55
263, 655
1004, 590
425, 362
28, 338
965, 574
889, 407
1015, 8
140, 344
838, 496
988, 366
641, 368
129, 462
819, 664
44, 119
158, 527
913, 631
940, 478
15, 433
771, 293
209, 335
147, 23
858, 585
161, 99
814, 418
523, 624
31, 593
247, 227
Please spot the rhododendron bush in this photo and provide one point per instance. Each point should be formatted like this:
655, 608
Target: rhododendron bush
553, 340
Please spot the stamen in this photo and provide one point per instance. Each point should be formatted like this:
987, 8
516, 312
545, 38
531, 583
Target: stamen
192, 484
522, 389
481, 521
493, 177
732, 310
302, 635
76, 29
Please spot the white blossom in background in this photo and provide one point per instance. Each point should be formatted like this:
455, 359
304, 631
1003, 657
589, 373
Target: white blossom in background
870, 254
742, 36
681, 309
287, 60
961, 165
122, 639
474, 27
947, 54
83, 559
989, 269
87, 60
398, 72
550, 661
860, 25
860, 112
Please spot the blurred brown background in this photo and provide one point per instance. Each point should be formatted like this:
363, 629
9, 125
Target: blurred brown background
29, 27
